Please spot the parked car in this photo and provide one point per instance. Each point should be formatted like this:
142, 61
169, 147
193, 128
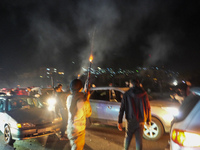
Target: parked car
24, 117
105, 103
185, 131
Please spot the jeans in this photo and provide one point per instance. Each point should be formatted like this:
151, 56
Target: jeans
64, 121
136, 128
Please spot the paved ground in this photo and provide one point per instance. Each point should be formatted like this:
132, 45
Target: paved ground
97, 138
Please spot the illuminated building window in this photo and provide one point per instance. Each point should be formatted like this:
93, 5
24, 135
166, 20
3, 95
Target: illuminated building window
61, 73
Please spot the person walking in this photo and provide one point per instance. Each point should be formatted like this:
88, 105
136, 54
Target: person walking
135, 104
61, 111
78, 107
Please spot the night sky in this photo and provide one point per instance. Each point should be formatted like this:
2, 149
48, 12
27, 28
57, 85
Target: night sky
124, 34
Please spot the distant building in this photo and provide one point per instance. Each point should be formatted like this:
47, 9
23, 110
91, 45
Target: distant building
51, 76
42, 77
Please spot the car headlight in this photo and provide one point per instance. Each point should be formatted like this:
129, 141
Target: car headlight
171, 110
25, 125
51, 101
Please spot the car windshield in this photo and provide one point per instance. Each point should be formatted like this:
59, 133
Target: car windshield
23, 103
187, 106
159, 96
2, 94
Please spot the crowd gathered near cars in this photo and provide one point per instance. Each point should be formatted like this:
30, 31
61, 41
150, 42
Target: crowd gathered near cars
69, 112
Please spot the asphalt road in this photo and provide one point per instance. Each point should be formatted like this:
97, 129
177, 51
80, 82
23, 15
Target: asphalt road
98, 137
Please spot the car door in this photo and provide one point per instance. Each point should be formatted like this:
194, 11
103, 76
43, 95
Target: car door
99, 101
113, 106
105, 105
2, 114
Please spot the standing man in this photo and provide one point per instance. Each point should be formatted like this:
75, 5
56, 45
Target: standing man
61, 110
29, 91
135, 104
60, 87
78, 108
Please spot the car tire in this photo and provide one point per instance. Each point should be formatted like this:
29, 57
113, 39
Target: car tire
8, 136
88, 122
155, 131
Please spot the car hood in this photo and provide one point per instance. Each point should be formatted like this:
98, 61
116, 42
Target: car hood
164, 103
33, 115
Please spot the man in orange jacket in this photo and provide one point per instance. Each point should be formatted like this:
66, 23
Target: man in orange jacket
78, 107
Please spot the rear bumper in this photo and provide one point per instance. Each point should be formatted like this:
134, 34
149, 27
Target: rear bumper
22, 134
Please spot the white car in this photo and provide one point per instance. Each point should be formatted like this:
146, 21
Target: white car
185, 131
23, 117
105, 103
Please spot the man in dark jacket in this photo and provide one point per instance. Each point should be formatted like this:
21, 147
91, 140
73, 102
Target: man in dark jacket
135, 104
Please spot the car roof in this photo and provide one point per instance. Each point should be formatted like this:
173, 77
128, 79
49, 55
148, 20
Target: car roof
122, 89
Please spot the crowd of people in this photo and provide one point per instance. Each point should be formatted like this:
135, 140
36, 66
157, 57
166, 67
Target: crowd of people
74, 107
135, 105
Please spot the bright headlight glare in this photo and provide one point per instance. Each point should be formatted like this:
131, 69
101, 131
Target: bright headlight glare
173, 111
51, 101
168, 117
51, 108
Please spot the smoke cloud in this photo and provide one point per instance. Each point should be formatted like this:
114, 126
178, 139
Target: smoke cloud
60, 33
158, 51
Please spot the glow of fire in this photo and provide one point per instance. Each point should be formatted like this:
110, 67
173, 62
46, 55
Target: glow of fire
91, 58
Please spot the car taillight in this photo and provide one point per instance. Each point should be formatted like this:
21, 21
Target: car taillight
186, 139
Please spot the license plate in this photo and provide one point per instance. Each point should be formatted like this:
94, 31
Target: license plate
44, 130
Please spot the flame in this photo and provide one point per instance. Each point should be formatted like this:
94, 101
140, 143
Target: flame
79, 76
91, 58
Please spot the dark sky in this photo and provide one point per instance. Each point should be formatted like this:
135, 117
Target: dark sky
59, 33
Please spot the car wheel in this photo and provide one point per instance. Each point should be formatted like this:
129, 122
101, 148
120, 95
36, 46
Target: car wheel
88, 122
155, 131
8, 136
